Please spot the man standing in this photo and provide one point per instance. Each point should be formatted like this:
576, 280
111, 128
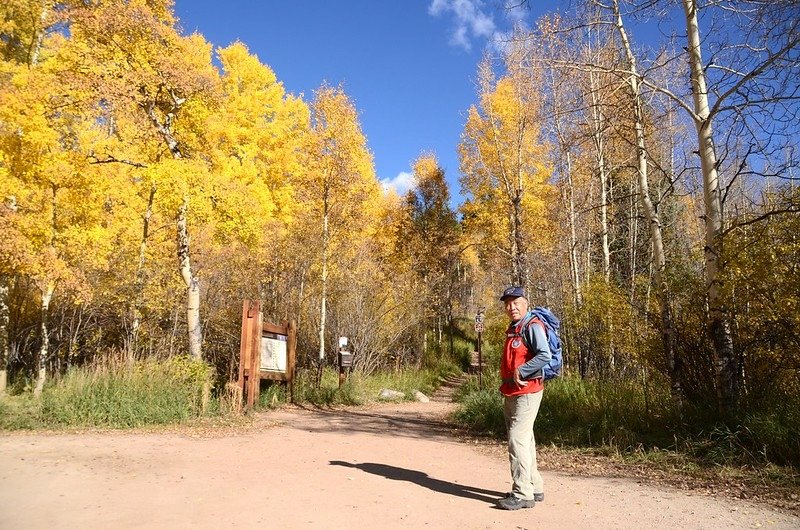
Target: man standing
523, 384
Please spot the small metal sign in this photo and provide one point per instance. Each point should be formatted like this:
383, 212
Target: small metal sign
479, 322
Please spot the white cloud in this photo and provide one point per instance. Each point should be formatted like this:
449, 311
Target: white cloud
403, 182
471, 21
437, 7
482, 25
460, 38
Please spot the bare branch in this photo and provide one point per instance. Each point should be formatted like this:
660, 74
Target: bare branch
113, 160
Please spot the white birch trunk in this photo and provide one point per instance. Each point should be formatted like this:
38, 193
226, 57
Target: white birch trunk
4, 343
44, 349
36, 43
724, 362
600, 156
573, 237
185, 266
719, 326
192, 284
139, 287
654, 221
323, 303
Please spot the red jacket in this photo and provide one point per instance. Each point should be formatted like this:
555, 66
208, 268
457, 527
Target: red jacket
515, 354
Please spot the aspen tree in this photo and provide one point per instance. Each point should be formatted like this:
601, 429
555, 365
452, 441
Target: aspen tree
340, 178
653, 217
504, 165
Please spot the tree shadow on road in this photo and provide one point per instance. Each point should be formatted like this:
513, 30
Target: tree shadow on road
409, 423
424, 480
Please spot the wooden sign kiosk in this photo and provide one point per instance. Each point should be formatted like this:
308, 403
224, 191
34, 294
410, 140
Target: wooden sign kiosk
267, 352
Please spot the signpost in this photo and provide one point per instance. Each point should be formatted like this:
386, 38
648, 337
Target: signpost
267, 351
479, 330
345, 359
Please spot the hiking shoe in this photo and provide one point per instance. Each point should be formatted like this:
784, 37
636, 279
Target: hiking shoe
515, 503
538, 497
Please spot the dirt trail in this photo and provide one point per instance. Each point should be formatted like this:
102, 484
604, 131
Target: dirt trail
388, 466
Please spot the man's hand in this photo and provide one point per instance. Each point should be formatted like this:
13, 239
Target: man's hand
518, 379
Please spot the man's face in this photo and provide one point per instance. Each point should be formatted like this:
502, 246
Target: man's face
516, 308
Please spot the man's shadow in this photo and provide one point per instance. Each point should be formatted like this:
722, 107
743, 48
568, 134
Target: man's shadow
424, 480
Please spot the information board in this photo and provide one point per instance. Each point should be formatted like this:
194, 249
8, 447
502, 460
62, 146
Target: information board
273, 352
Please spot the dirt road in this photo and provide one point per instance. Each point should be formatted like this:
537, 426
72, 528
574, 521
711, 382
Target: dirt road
392, 466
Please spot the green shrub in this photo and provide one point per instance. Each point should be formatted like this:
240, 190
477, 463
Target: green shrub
272, 395
765, 431
147, 392
578, 412
617, 413
359, 389
482, 410
19, 412
328, 392
774, 434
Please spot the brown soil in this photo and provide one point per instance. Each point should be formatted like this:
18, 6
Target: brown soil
386, 466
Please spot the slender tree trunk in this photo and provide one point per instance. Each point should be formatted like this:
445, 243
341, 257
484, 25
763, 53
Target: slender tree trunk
38, 38
74, 331
47, 287
44, 349
719, 326
514, 192
300, 298
577, 339
324, 301
4, 343
654, 221
139, 286
573, 237
517, 268
633, 243
192, 283
600, 156
569, 200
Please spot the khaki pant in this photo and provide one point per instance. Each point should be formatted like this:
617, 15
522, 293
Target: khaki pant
520, 413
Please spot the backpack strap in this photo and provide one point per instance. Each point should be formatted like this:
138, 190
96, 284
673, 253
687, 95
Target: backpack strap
522, 324
525, 323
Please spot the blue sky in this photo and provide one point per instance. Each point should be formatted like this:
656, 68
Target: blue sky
408, 65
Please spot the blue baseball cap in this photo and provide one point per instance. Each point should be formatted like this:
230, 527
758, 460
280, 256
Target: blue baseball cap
514, 291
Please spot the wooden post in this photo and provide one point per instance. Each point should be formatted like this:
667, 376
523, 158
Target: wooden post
254, 330
248, 351
290, 357
479, 316
255, 361
480, 361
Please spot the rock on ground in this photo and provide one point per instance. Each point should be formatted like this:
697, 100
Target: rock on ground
391, 395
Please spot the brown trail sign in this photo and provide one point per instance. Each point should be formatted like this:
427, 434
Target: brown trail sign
267, 352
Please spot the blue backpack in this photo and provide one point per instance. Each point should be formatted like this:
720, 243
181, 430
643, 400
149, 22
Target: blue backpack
551, 325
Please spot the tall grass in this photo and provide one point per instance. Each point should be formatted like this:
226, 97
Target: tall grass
357, 389
328, 392
577, 412
616, 413
116, 395
20, 412
629, 418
